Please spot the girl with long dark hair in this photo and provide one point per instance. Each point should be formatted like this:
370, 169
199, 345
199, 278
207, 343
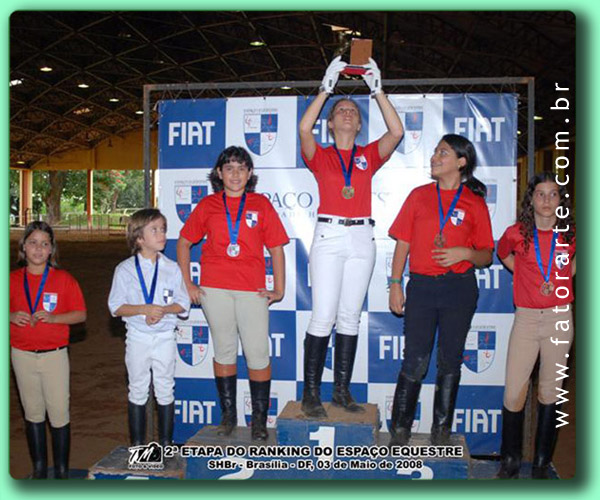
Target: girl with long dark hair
445, 227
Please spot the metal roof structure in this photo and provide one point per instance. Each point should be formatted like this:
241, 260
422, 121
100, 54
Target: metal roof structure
101, 60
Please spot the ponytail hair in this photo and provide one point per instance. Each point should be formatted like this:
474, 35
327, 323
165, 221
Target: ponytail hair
464, 148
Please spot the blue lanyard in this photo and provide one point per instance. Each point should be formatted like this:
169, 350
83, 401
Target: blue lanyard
234, 231
347, 171
33, 308
444, 218
538, 253
149, 299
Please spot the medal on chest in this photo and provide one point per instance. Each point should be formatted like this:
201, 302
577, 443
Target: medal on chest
348, 189
440, 241
233, 249
547, 287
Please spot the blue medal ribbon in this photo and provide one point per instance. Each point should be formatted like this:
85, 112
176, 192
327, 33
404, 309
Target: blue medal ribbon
33, 307
234, 230
346, 171
444, 218
538, 254
148, 298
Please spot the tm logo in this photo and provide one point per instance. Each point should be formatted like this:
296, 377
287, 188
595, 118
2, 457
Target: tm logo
146, 457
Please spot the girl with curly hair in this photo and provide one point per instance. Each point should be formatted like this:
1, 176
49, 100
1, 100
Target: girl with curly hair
540, 250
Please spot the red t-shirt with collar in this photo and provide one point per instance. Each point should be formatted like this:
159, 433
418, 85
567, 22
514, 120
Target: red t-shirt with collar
418, 223
527, 277
43, 335
260, 227
326, 167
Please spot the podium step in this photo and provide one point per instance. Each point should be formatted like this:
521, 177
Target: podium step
116, 465
456, 464
340, 428
210, 456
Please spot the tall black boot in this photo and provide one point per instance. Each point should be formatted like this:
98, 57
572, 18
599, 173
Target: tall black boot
36, 440
166, 415
61, 444
345, 352
406, 397
446, 389
137, 423
315, 352
227, 388
512, 444
260, 392
545, 440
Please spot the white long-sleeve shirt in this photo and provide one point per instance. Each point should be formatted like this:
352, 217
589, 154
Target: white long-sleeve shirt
126, 289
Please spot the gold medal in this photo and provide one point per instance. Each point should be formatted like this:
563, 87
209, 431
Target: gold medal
547, 288
348, 192
439, 241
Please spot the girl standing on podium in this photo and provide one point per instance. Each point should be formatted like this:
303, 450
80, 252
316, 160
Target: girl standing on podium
445, 226
238, 224
342, 255
540, 250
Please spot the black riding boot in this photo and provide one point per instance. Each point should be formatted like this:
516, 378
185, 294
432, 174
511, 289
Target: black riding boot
315, 352
345, 352
36, 440
545, 440
512, 444
446, 389
227, 388
166, 415
260, 392
137, 423
406, 397
61, 444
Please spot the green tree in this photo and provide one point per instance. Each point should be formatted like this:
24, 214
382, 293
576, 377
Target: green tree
47, 191
133, 195
112, 189
107, 186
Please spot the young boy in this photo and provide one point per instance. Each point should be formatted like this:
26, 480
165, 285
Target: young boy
148, 293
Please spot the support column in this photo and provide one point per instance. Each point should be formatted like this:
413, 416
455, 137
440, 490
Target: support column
90, 197
26, 197
154, 184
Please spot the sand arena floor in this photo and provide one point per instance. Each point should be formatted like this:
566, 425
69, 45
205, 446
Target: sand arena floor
98, 375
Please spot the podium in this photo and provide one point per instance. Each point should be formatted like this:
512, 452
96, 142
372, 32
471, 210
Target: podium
343, 446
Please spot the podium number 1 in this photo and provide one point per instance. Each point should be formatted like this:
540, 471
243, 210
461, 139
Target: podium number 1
325, 437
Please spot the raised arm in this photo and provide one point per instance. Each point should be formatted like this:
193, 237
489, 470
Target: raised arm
395, 130
305, 130
307, 139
